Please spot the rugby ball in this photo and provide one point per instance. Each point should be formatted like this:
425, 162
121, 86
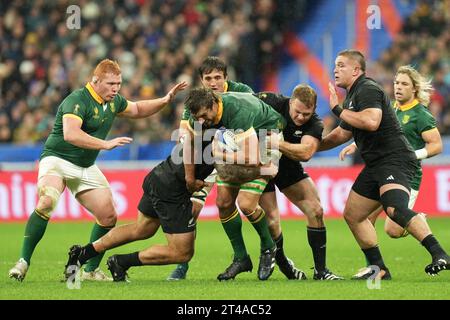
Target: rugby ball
226, 140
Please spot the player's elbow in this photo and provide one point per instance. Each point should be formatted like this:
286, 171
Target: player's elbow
307, 155
438, 148
69, 137
372, 125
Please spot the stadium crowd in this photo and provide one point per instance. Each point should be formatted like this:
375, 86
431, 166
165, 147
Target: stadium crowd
158, 43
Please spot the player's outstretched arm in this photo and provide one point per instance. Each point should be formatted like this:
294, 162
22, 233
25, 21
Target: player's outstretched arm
145, 108
335, 138
302, 151
73, 134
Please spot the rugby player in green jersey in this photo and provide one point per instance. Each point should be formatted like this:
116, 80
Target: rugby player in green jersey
213, 74
83, 121
245, 112
412, 95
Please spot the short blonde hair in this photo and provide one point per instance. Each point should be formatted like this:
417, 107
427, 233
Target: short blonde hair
423, 86
107, 66
305, 94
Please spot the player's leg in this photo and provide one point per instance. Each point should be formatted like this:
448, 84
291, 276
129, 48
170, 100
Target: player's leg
232, 224
177, 223
144, 228
395, 199
50, 188
93, 192
179, 249
356, 212
100, 203
247, 204
372, 218
268, 202
198, 201
304, 195
395, 231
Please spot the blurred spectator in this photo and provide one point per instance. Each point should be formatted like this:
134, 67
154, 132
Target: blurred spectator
154, 41
159, 42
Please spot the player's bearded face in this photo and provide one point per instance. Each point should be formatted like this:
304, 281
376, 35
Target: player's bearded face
108, 86
206, 116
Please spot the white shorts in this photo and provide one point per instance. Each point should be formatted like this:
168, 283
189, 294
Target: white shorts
76, 178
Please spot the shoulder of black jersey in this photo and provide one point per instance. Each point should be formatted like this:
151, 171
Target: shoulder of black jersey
315, 121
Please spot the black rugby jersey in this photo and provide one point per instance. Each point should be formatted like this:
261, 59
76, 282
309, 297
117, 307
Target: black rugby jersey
292, 133
388, 142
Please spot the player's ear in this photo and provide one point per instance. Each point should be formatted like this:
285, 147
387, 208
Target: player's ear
95, 79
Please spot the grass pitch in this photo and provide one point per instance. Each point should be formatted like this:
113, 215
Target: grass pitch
406, 259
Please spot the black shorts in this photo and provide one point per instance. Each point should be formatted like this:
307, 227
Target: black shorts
290, 172
371, 179
172, 207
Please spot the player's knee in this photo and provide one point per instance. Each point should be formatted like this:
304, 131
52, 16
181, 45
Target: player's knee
273, 219
45, 204
142, 233
224, 204
247, 206
185, 254
393, 230
48, 200
350, 218
395, 204
109, 219
394, 233
316, 211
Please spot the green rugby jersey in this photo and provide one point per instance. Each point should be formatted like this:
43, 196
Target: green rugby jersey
230, 86
97, 118
244, 111
415, 119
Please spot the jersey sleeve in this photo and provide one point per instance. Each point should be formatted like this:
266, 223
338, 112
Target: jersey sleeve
244, 88
369, 97
425, 121
71, 106
121, 103
315, 129
276, 101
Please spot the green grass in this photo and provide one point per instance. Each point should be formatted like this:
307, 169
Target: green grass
405, 257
